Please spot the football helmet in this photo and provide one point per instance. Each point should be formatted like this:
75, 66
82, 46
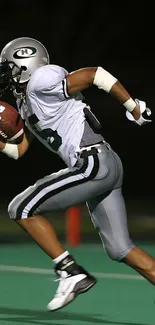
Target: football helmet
19, 59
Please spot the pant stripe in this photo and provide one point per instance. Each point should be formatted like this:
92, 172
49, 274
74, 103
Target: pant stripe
47, 190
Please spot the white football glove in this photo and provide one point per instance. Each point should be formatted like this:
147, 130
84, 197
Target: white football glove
141, 121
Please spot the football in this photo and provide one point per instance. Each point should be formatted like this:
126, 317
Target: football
11, 124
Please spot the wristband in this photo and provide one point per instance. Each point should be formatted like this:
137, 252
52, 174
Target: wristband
130, 104
11, 150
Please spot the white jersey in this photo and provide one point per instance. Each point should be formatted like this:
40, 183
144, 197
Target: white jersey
53, 116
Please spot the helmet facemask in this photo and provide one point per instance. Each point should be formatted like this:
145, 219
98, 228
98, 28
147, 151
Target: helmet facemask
10, 75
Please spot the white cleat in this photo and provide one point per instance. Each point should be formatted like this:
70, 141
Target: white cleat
70, 286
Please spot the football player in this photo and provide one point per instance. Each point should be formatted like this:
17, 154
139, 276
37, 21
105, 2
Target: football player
50, 102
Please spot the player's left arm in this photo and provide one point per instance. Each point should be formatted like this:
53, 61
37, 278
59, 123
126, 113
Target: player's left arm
16, 151
83, 78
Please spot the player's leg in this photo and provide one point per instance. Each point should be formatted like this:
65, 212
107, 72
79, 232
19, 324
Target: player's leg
110, 218
54, 192
93, 175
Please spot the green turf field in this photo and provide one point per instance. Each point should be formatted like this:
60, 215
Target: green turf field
121, 296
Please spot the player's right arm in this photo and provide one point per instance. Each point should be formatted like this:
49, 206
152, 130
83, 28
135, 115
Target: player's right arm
61, 85
83, 78
16, 151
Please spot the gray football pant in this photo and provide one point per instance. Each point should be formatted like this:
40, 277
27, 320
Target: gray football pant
95, 180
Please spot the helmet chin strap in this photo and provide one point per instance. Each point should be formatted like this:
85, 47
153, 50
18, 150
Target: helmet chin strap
18, 94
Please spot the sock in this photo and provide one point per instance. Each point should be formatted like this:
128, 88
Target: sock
61, 257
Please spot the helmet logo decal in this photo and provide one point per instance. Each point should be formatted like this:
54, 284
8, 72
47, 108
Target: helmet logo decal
24, 52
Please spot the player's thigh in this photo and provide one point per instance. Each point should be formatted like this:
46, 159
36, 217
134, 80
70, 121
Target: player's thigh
58, 191
80, 189
69, 196
109, 216
25, 198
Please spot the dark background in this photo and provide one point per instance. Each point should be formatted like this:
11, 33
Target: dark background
117, 36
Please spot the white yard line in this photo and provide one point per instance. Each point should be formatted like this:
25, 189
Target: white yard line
100, 275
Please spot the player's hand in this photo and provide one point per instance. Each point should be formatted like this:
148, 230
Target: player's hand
2, 145
137, 115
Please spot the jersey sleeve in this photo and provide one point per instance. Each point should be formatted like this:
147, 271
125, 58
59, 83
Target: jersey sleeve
50, 80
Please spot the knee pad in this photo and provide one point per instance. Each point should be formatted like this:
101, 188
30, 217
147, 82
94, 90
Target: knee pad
117, 251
